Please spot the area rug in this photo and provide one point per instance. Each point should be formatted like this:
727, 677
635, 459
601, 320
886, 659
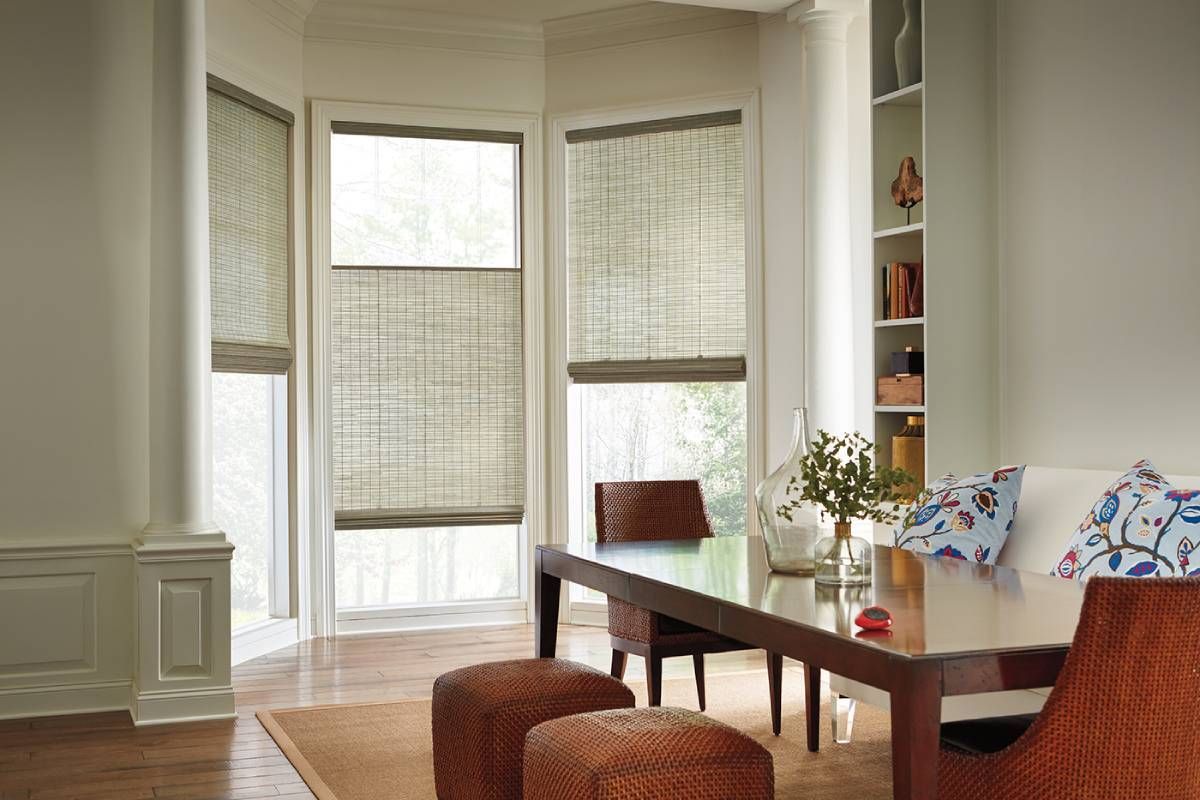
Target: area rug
383, 751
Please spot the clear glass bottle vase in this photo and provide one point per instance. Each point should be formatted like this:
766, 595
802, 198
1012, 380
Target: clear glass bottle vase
790, 528
843, 559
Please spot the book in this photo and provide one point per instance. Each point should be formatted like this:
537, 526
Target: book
894, 290
905, 294
916, 291
885, 293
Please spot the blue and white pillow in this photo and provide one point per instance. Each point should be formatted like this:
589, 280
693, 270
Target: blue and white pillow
1140, 527
967, 518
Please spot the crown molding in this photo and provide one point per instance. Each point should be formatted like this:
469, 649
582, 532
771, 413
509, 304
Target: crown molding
291, 14
364, 23
640, 23
367, 23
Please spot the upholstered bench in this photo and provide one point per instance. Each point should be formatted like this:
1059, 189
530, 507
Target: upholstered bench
647, 753
482, 713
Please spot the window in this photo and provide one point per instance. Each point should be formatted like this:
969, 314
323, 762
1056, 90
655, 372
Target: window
428, 397
250, 270
250, 489
656, 311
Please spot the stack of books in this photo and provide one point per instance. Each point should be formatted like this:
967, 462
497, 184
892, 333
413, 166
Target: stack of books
903, 290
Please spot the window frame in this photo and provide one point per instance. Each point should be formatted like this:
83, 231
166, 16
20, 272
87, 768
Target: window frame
563, 419
328, 621
290, 605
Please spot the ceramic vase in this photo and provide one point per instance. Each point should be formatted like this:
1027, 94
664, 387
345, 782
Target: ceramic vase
908, 46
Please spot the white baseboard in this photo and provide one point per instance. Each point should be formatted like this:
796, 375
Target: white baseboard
184, 705
262, 638
68, 698
453, 615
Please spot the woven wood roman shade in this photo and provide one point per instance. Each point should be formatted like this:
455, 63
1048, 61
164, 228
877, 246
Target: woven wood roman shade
427, 397
656, 251
248, 224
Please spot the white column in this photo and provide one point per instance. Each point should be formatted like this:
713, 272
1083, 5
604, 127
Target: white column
827, 251
182, 558
180, 426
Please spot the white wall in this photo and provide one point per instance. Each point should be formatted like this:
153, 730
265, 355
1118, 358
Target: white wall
1100, 232
74, 217
711, 62
420, 76
75, 81
245, 40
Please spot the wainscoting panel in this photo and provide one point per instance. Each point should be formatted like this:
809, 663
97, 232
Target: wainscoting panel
47, 623
65, 645
186, 629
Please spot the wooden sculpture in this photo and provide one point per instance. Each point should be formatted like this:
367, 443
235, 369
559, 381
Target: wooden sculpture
909, 188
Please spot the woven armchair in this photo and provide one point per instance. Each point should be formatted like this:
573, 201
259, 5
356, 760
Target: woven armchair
1120, 723
638, 511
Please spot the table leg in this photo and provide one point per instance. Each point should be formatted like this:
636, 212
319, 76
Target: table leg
916, 729
812, 705
547, 589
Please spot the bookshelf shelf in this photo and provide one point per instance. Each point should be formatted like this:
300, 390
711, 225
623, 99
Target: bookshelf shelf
899, 409
899, 323
911, 96
915, 229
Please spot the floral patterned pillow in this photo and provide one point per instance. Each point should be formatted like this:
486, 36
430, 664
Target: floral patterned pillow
1140, 527
967, 518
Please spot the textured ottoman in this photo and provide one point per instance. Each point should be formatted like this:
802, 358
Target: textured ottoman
482, 713
647, 753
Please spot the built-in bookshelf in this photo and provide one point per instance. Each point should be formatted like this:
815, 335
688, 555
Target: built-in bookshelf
946, 123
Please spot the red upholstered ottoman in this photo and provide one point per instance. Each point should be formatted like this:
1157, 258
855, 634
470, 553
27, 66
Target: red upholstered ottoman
481, 715
645, 754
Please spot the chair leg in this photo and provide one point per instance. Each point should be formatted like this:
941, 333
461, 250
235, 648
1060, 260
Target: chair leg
775, 681
841, 709
619, 660
654, 678
698, 666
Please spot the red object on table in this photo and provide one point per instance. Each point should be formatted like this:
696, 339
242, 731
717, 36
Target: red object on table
874, 618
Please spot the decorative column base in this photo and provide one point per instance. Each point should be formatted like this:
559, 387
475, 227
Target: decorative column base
182, 671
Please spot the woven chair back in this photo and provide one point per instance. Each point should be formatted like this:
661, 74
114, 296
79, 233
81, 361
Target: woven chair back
631, 511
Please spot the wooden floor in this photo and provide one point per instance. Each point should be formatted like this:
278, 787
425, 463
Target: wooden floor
103, 757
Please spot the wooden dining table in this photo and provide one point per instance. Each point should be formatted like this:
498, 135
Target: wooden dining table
958, 627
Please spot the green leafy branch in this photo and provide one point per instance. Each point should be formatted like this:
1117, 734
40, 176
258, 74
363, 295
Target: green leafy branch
841, 477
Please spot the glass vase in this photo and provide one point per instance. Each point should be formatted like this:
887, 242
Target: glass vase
842, 559
790, 528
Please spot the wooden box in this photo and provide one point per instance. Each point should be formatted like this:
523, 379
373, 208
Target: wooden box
901, 390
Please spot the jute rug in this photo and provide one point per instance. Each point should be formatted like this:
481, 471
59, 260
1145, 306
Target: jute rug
383, 751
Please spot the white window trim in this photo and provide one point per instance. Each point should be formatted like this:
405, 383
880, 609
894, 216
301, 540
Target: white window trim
556, 345
534, 531
288, 599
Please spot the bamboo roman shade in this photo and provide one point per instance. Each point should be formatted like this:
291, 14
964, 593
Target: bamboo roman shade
248, 238
427, 397
656, 251
427, 357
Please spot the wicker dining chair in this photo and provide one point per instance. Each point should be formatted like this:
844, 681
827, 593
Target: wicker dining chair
1119, 724
630, 511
